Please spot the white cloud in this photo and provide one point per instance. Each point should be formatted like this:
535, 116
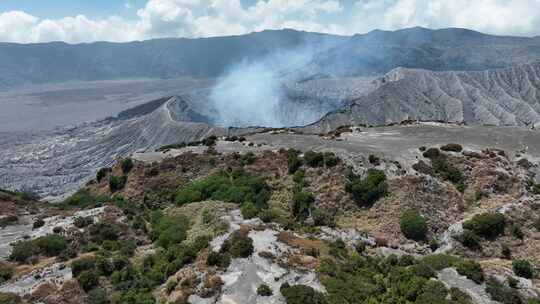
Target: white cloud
203, 18
512, 17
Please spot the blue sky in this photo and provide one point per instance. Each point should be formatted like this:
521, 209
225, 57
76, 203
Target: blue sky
77, 21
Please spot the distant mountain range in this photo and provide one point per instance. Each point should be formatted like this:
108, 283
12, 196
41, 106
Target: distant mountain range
374, 53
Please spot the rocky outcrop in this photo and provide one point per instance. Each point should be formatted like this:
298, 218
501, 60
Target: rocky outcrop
503, 97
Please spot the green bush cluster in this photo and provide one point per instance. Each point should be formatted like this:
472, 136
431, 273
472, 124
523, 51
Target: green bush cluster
472, 270
84, 199
375, 279
302, 204
6, 272
301, 294
218, 259
81, 222
294, 162
320, 159
367, 191
169, 230
413, 225
49, 245
523, 268
236, 187
502, 293
117, 183
247, 159
487, 225
102, 173
238, 245
448, 172
126, 164
264, 290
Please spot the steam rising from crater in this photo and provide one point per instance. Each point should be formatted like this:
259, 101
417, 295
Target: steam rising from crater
252, 93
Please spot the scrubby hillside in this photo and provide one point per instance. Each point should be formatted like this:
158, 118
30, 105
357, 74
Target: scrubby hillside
288, 226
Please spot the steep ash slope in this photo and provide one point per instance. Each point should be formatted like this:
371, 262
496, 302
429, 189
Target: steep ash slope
506, 97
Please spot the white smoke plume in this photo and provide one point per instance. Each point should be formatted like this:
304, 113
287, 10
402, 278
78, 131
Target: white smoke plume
252, 93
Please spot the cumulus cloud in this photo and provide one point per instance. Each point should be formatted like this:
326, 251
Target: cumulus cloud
204, 18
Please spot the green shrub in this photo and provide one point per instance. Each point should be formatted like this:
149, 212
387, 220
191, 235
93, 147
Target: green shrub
137, 297
83, 199
452, 148
301, 294
432, 153
314, 159
264, 290
330, 159
516, 231
536, 189
247, 159
81, 222
512, 282
472, 270
440, 261
470, 240
302, 202
506, 252
523, 268
83, 264
10, 298
413, 225
88, 279
448, 172
221, 260
487, 225
501, 293
459, 297
52, 244
38, 223
97, 296
103, 231
368, 190
102, 173
22, 251
423, 270
374, 160
170, 230
6, 272
249, 210
127, 165
236, 187
338, 249
117, 183
323, 218
238, 245
293, 160
187, 196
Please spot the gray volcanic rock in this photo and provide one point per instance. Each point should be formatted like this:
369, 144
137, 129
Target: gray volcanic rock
503, 97
55, 163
